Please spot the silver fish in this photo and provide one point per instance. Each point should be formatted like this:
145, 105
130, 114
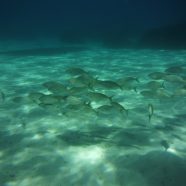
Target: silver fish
154, 85
49, 99
82, 80
56, 88
174, 70
157, 75
107, 84
98, 97
34, 96
119, 107
128, 83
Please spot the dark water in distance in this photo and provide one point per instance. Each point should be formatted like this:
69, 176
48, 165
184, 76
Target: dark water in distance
121, 23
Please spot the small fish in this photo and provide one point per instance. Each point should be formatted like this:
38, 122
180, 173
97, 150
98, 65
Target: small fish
82, 80
105, 109
174, 79
49, 99
151, 111
74, 100
99, 97
154, 85
174, 70
35, 96
148, 94
180, 92
128, 83
17, 99
78, 91
157, 75
75, 71
107, 84
162, 93
56, 88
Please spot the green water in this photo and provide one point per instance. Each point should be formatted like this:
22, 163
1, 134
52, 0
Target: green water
68, 139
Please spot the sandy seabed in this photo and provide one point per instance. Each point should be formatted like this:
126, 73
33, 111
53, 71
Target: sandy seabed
97, 150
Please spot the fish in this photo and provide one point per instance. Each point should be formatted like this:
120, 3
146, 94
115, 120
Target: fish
156, 94
128, 79
34, 96
81, 109
180, 92
78, 91
98, 97
52, 108
19, 99
128, 83
174, 70
56, 88
149, 93
106, 84
82, 80
105, 109
87, 109
154, 85
174, 79
151, 111
75, 71
49, 84
119, 107
157, 75
162, 93
74, 100
49, 99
